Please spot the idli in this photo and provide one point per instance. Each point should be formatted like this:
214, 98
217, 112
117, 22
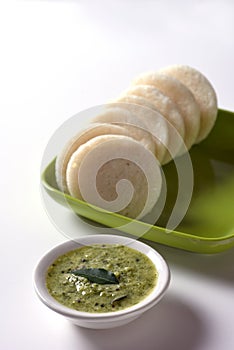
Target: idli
168, 109
203, 93
116, 173
180, 95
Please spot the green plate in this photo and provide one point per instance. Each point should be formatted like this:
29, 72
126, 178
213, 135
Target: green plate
208, 226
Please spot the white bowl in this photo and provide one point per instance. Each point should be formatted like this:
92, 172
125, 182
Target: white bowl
105, 319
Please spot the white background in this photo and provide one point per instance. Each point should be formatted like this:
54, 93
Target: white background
56, 59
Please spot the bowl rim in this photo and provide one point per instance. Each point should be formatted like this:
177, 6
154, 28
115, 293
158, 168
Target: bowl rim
149, 301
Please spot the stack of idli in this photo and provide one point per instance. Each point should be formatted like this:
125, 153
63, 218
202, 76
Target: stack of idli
115, 163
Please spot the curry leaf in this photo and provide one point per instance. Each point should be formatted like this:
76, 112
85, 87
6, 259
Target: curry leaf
100, 276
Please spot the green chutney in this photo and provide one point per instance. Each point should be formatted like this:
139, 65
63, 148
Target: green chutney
135, 272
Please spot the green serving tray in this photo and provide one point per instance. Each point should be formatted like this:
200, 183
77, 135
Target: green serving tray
208, 226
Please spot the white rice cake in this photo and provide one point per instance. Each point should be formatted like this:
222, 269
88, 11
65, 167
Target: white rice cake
203, 93
135, 111
100, 170
89, 133
180, 95
168, 109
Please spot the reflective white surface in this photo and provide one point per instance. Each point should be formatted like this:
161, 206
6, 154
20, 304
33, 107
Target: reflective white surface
57, 58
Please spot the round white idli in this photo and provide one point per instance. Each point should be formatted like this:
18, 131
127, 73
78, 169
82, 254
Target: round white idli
203, 92
133, 111
169, 110
87, 134
183, 98
116, 173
